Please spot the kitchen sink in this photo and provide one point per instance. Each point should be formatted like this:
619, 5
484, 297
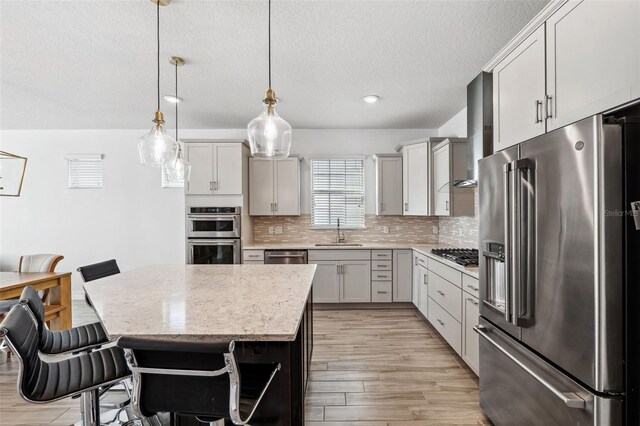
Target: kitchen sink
338, 245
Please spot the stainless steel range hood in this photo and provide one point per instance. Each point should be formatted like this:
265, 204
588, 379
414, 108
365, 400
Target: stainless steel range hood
479, 125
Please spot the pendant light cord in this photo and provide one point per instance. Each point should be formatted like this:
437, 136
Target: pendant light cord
269, 43
177, 106
158, 47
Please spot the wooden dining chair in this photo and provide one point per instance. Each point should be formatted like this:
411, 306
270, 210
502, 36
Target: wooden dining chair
30, 263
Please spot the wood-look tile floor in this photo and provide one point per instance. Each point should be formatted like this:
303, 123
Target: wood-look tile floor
371, 367
387, 367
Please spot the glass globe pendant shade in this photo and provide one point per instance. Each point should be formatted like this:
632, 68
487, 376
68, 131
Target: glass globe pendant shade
269, 134
178, 170
157, 147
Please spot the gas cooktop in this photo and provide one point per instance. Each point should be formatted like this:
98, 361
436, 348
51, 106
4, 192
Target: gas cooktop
464, 257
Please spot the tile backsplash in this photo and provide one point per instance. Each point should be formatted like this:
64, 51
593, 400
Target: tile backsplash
454, 231
296, 229
460, 231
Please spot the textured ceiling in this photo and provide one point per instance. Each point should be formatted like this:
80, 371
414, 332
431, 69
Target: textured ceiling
91, 64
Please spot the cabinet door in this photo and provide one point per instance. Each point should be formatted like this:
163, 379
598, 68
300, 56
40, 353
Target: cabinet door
470, 343
261, 185
228, 168
287, 187
593, 55
416, 180
415, 297
441, 181
402, 275
424, 292
326, 282
518, 93
200, 156
389, 186
355, 281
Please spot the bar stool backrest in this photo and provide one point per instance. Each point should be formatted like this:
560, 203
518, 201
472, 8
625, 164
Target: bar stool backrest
192, 378
20, 332
99, 270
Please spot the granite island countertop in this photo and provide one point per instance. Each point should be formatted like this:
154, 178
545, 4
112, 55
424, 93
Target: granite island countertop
213, 303
424, 249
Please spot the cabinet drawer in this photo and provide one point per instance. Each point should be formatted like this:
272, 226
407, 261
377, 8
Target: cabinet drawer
339, 254
446, 272
253, 255
381, 265
470, 285
420, 259
381, 275
381, 291
446, 325
381, 254
446, 294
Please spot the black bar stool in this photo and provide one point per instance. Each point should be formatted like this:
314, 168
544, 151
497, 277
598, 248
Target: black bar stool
41, 381
76, 339
194, 379
98, 270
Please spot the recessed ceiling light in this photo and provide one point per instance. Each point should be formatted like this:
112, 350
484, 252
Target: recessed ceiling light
371, 99
173, 99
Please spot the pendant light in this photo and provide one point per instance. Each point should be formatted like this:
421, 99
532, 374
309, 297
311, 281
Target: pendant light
157, 146
179, 169
269, 134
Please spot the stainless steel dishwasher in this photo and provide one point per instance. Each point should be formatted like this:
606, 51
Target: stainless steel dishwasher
287, 257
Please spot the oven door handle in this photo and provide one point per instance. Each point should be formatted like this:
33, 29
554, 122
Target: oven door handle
196, 242
212, 217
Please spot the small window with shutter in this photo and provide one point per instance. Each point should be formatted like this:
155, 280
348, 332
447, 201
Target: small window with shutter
337, 192
85, 170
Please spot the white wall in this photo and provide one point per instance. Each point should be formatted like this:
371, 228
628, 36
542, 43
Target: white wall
132, 218
456, 127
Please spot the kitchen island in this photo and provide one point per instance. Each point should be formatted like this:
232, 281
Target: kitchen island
266, 309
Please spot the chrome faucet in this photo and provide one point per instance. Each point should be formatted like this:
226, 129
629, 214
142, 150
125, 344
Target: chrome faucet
340, 237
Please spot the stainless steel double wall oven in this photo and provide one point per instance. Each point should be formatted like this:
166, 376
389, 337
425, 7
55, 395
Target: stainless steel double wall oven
213, 235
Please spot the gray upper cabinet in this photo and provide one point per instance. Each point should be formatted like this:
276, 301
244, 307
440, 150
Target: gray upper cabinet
584, 59
274, 187
518, 93
415, 179
216, 168
449, 167
388, 184
593, 59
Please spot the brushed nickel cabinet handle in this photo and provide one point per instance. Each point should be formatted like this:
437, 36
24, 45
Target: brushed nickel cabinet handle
548, 105
472, 287
210, 186
441, 323
472, 301
440, 293
383, 292
538, 111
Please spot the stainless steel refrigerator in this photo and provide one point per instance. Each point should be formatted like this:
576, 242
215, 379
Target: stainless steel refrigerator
559, 262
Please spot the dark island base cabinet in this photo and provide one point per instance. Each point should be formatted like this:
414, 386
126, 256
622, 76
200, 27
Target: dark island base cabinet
283, 404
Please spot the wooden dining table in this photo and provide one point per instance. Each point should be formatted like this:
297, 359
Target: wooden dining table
57, 310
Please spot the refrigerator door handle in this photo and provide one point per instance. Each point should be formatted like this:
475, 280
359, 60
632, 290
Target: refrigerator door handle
570, 399
508, 240
523, 218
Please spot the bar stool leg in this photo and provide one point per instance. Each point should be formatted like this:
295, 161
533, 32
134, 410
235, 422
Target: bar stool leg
90, 407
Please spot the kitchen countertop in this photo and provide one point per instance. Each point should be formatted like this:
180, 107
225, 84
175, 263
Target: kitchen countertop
213, 303
424, 249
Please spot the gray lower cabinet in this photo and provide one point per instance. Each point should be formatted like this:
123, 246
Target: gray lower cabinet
470, 340
347, 280
355, 281
402, 275
326, 283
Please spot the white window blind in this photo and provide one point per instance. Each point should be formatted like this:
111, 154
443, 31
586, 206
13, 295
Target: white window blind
337, 192
85, 170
